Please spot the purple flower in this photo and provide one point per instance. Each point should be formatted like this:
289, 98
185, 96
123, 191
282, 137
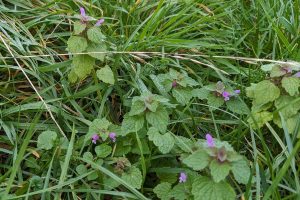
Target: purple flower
99, 22
287, 69
297, 75
182, 177
226, 95
237, 91
209, 140
95, 137
82, 12
112, 136
174, 84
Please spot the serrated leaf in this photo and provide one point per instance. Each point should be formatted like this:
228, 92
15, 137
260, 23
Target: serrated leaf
189, 81
291, 85
264, 92
100, 48
95, 35
162, 191
201, 93
267, 67
133, 177
291, 124
277, 71
198, 160
182, 95
106, 75
131, 124
214, 101
261, 118
103, 150
164, 142
204, 188
83, 65
46, 140
79, 27
158, 119
286, 107
218, 170
237, 106
179, 192
77, 44
241, 171
137, 107
184, 143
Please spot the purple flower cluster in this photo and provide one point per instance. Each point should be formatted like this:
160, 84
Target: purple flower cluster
112, 136
209, 140
182, 177
226, 95
84, 17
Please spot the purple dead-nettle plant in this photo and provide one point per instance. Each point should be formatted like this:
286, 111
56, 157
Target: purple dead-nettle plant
95, 137
237, 91
113, 136
85, 18
182, 177
209, 140
297, 75
226, 96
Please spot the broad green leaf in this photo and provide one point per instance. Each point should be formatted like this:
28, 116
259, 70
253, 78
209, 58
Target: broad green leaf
291, 85
241, 171
79, 27
152, 106
133, 177
94, 34
92, 176
206, 189
100, 48
158, 119
168, 177
189, 81
219, 170
137, 107
103, 150
237, 106
214, 101
220, 87
164, 142
98, 126
182, 95
72, 76
180, 192
198, 160
261, 118
88, 156
106, 75
265, 91
277, 71
250, 91
201, 93
83, 65
77, 44
184, 143
81, 169
268, 67
46, 140
162, 191
131, 124
287, 108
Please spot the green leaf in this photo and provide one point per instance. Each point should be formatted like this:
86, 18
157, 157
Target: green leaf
164, 142
103, 150
167, 177
219, 170
92, 176
277, 71
81, 169
241, 171
162, 191
100, 48
264, 92
94, 34
182, 95
261, 118
184, 143
77, 44
88, 156
198, 160
83, 65
201, 93
46, 140
291, 124
268, 67
79, 27
287, 108
133, 177
291, 85
179, 192
106, 75
131, 124
205, 189
137, 107
214, 101
158, 119
72, 76
237, 106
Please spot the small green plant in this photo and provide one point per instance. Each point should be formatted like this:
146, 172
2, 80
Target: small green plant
276, 98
